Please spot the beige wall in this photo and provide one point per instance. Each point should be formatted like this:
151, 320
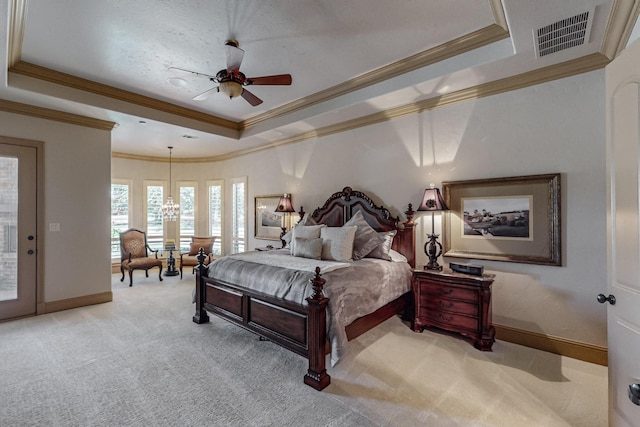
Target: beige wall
76, 196
549, 128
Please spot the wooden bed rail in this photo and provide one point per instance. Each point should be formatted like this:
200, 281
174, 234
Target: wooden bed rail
311, 342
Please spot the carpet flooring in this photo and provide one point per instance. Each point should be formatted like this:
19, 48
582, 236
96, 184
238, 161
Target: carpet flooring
140, 360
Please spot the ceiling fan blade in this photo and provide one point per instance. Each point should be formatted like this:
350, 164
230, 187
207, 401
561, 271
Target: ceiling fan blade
234, 57
204, 95
279, 79
195, 73
251, 98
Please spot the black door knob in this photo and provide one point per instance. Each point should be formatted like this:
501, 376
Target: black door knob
30, 252
634, 393
602, 299
30, 238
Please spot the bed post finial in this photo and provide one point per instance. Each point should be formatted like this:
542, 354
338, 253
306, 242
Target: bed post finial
409, 213
317, 376
317, 283
201, 257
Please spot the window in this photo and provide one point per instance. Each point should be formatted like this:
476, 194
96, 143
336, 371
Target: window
216, 209
187, 198
120, 213
239, 218
10, 239
153, 221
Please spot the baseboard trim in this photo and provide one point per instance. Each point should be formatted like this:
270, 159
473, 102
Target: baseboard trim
562, 346
66, 304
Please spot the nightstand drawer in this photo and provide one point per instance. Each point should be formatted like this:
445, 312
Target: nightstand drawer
449, 320
440, 304
450, 292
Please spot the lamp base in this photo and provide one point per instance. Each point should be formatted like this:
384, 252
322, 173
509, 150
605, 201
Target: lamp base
433, 266
433, 249
284, 242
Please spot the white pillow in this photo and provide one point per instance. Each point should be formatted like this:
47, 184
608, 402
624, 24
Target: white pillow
337, 243
304, 232
397, 256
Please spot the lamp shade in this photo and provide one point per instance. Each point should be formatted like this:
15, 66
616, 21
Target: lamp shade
284, 205
432, 201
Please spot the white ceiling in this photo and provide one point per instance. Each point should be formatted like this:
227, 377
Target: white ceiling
350, 61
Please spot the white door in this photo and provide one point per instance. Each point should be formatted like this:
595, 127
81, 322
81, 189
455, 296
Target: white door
623, 236
18, 179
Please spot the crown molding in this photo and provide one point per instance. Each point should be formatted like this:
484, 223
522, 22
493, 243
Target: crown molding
46, 74
553, 72
17, 21
622, 19
466, 43
55, 115
498, 14
128, 156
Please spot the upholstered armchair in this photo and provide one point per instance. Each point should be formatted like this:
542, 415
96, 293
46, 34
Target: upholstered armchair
190, 259
134, 254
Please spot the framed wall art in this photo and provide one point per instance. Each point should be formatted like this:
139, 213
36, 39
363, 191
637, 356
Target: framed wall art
514, 219
268, 222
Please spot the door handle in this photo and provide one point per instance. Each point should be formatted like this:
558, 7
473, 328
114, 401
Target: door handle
30, 252
634, 393
602, 299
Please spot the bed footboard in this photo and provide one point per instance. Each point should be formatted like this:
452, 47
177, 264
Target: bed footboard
298, 328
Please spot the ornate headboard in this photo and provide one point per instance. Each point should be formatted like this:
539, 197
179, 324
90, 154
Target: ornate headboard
341, 206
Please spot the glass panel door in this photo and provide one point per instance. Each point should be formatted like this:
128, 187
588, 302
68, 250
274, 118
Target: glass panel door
9, 228
18, 239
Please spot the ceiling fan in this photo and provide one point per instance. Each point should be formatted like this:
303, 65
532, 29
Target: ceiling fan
231, 80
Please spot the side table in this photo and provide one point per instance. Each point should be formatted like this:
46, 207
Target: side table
456, 302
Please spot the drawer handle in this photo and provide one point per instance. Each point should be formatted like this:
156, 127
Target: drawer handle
442, 317
445, 304
447, 291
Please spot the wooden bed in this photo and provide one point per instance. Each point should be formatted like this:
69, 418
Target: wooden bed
302, 329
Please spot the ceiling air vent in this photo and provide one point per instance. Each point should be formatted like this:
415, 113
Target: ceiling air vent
564, 34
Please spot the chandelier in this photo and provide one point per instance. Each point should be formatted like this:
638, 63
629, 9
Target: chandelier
170, 210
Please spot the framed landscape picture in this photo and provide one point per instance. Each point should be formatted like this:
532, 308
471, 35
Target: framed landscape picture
268, 222
514, 219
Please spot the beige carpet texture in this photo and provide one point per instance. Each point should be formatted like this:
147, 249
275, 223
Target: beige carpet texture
141, 361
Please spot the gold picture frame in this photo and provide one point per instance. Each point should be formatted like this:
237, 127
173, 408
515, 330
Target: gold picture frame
512, 219
268, 222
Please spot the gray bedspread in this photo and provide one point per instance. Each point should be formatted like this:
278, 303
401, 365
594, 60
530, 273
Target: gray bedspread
353, 292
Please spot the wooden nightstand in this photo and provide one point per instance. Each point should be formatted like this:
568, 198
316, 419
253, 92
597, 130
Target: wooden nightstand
456, 302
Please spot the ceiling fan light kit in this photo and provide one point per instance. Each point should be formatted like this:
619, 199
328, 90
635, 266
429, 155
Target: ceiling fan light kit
231, 88
231, 81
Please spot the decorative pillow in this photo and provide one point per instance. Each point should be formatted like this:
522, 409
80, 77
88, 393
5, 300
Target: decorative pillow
397, 256
382, 251
337, 243
308, 248
307, 220
366, 239
304, 232
205, 244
